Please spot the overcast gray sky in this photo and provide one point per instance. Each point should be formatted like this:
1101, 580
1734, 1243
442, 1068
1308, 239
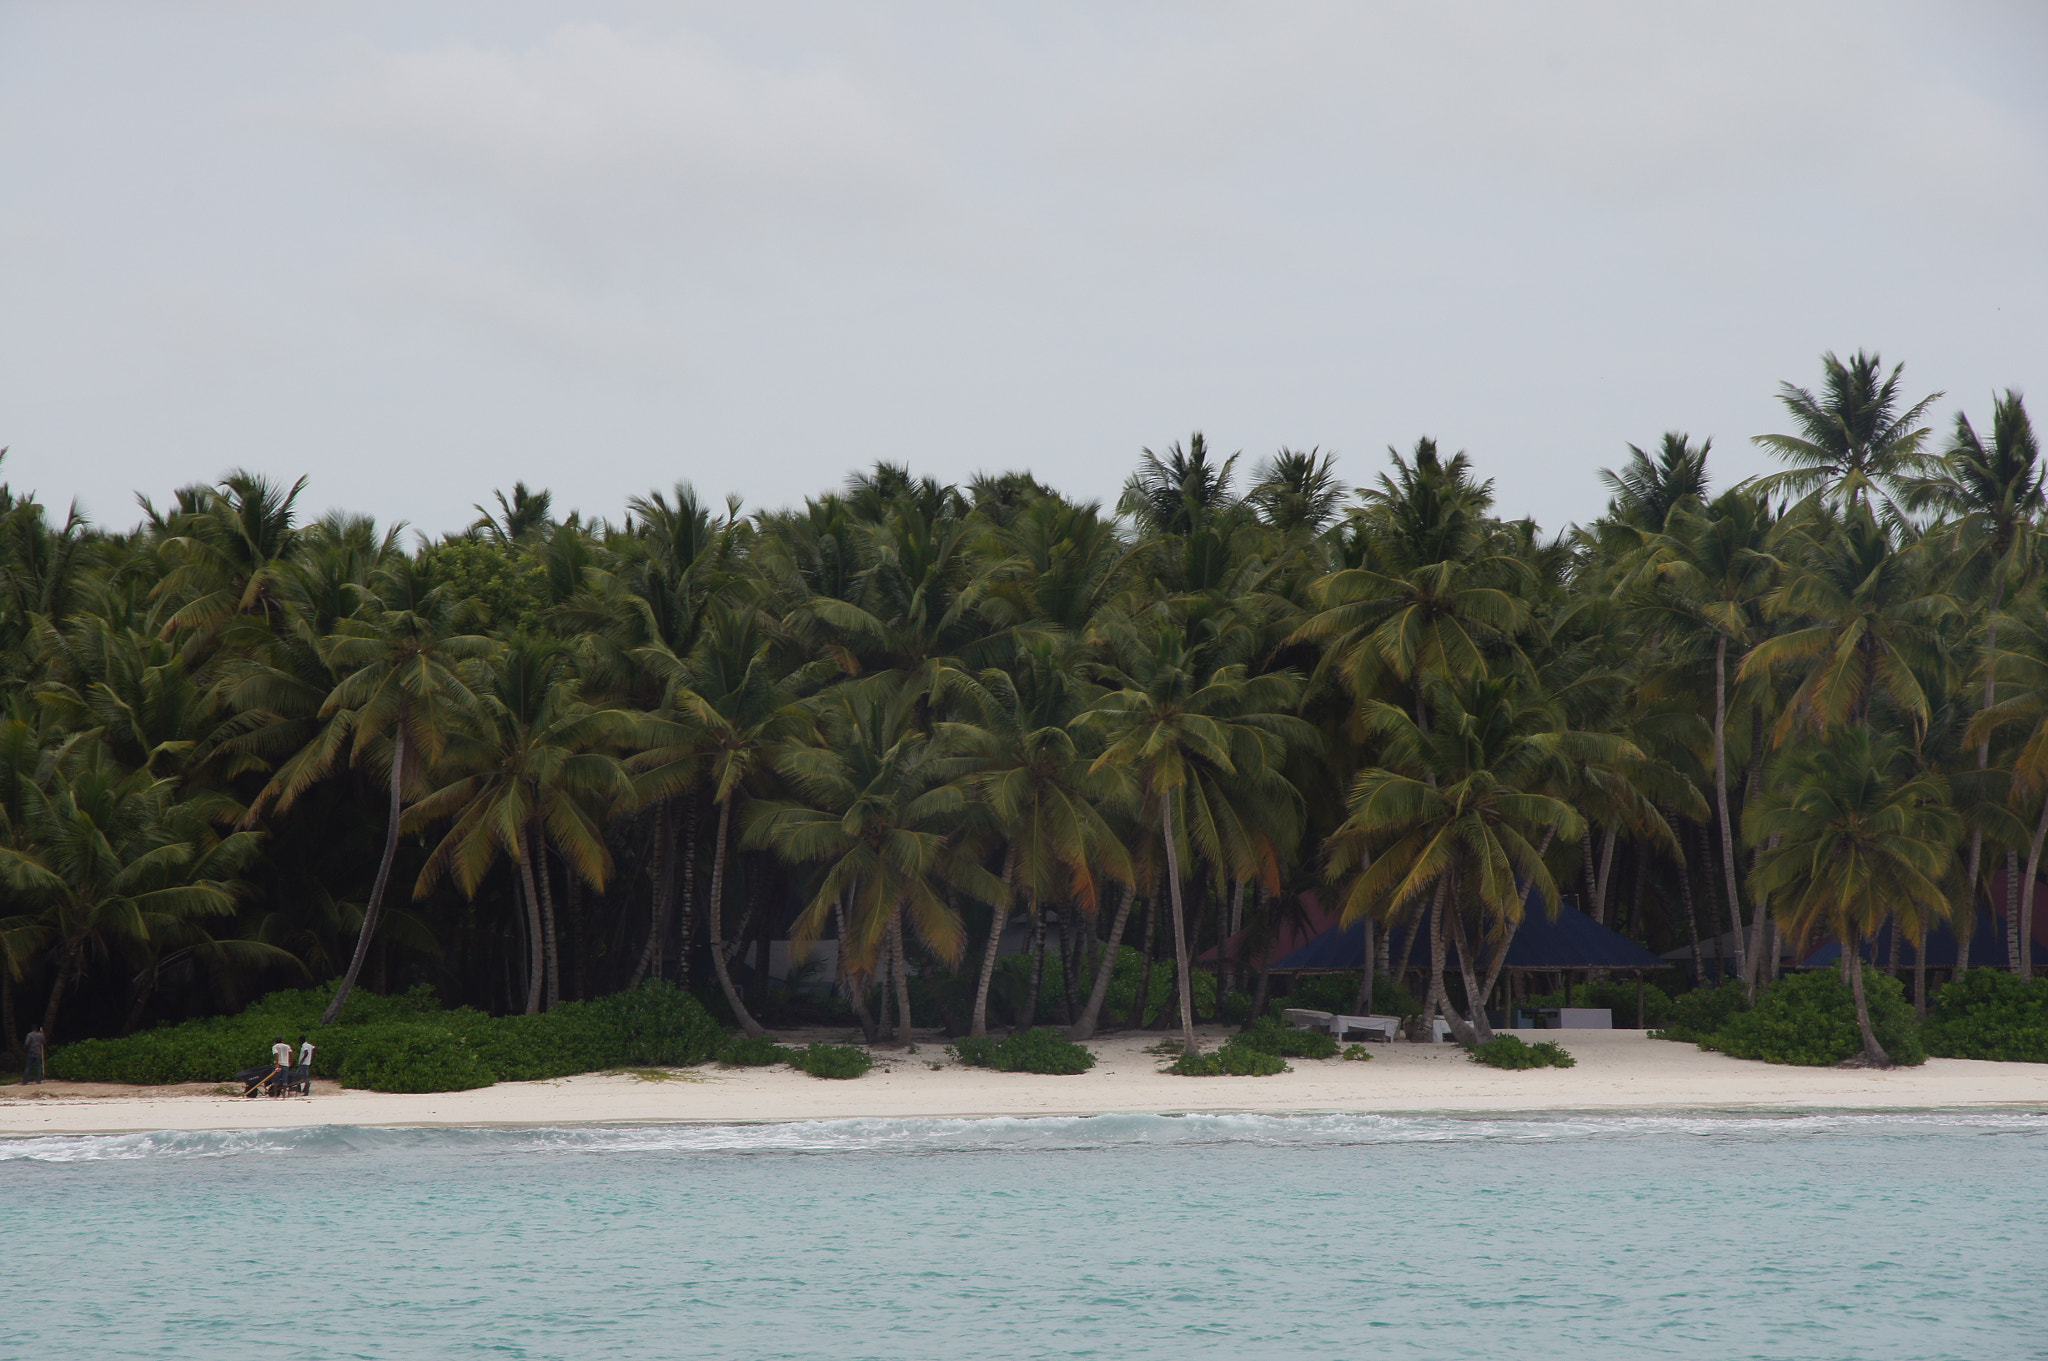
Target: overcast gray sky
418, 251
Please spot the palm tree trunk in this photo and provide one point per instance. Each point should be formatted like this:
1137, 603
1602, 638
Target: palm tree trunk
1873, 1052
1721, 796
855, 984
1085, 1027
1070, 959
1362, 1004
1433, 1004
1966, 928
1478, 1030
537, 839
999, 918
659, 882
2025, 928
900, 967
718, 964
1920, 974
1141, 999
1037, 951
1692, 921
1606, 876
536, 951
64, 969
376, 903
687, 891
1180, 930
2012, 911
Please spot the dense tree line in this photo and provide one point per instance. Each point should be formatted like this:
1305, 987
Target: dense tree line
549, 757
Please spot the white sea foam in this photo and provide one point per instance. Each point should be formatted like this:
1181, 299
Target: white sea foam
925, 1136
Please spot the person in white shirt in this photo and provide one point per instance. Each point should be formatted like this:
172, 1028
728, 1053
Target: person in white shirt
281, 1059
302, 1076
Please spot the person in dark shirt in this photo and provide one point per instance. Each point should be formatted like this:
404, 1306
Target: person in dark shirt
37, 1043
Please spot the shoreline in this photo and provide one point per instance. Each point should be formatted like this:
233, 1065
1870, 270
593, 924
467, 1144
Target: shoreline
1618, 1071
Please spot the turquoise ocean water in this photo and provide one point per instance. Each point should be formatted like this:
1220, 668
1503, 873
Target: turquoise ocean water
1712, 1236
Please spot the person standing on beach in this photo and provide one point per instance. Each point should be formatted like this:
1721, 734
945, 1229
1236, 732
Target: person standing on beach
281, 1056
33, 1070
302, 1076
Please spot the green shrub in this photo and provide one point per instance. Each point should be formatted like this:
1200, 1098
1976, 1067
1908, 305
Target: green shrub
1357, 1053
1231, 1060
1809, 1019
1284, 1041
1618, 995
1123, 988
1508, 1051
1701, 1014
1042, 1050
831, 1060
653, 1025
751, 1051
412, 1057
1990, 1014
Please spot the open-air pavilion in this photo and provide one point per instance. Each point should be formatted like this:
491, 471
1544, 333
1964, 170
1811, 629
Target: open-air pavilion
1550, 951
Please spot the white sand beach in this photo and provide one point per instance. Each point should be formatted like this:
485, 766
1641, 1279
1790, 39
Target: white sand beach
1616, 1070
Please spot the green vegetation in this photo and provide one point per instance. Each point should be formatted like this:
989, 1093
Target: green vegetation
1701, 1014
547, 758
831, 1060
1041, 1050
751, 1051
1284, 1041
1357, 1053
1988, 1014
1509, 1051
1811, 1020
1231, 1059
409, 1043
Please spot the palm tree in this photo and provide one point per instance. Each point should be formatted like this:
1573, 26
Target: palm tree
1995, 495
1041, 791
105, 860
1852, 440
1439, 591
1650, 487
1866, 614
395, 703
1297, 491
1172, 493
1712, 568
735, 704
2022, 673
530, 769
1457, 815
1180, 725
1850, 834
879, 807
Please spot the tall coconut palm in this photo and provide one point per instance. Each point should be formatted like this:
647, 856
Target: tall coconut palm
1042, 794
1177, 724
1993, 495
1455, 815
103, 861
1651, 486
531, 768
2023, 703
1710, 573
398, 698
1853, 442
879, 807
735, 704
1849, 835
1439, 590
1865, 610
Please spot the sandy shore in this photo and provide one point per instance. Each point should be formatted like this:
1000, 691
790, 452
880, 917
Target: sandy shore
1617, 1070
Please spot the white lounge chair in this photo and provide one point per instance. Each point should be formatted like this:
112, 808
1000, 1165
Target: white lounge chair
1304, 1018
1382, 1028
